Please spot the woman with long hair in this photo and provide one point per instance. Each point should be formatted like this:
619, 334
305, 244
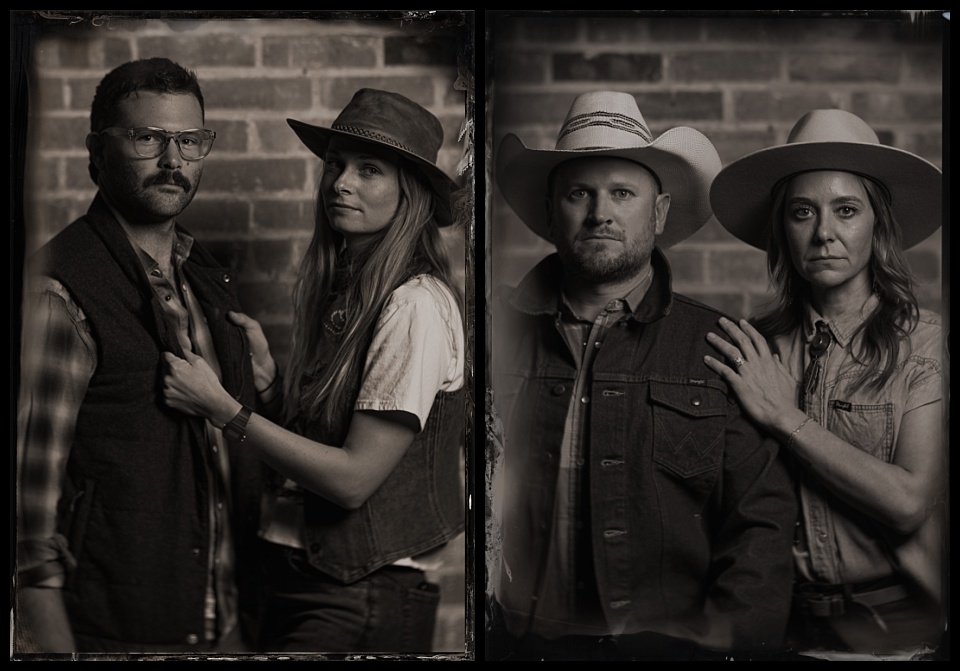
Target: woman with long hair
846, 372
365, 482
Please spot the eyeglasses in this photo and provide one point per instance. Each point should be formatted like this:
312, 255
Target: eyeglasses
818, 346
193, 144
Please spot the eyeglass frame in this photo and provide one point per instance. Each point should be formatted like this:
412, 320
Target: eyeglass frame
130, 134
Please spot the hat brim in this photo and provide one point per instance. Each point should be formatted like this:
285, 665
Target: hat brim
684, 160
316, 139
742, 194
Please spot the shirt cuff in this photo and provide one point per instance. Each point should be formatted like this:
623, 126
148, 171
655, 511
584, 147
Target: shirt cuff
44, 562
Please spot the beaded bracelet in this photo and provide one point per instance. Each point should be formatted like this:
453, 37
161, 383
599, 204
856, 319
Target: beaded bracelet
794, 433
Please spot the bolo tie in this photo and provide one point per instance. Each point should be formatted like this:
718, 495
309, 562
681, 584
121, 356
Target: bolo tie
818, 346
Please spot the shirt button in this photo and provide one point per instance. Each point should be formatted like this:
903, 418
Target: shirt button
597, 344
226, 278
822, 536
192, 639
219, 505
184, 287
585, 400
214, 448
168, 297
195, 552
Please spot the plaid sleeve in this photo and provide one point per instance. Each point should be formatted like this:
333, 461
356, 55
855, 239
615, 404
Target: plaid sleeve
57, 361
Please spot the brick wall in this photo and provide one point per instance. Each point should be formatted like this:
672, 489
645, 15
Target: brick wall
741, 81
254, 208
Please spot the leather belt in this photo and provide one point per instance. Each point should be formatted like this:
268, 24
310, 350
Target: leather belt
829, 605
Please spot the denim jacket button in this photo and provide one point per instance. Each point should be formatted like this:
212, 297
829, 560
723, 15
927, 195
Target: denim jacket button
695, 401
558, 389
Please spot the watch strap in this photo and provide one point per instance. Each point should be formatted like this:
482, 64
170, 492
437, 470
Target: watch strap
236, 428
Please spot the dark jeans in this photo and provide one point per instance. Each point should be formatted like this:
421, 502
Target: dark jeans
500, 645
391, 610
905, 624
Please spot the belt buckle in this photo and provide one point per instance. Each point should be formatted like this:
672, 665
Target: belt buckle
825, 606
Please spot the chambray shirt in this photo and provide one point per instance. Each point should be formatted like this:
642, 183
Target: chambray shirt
838, 544
60, 357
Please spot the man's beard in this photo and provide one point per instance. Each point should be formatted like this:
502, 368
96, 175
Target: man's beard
592, 268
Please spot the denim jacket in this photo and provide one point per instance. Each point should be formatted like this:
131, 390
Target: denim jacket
691, 509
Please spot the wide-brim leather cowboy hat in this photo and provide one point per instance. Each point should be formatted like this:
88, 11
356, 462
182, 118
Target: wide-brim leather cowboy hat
609, 124
391, 120
828, 139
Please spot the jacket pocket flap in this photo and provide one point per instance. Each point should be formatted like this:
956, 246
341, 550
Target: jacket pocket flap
691, 399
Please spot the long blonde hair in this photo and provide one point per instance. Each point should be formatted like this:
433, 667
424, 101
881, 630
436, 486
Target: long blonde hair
409, 245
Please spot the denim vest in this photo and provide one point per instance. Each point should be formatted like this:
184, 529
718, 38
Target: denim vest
691, 511
134, 502
419, 506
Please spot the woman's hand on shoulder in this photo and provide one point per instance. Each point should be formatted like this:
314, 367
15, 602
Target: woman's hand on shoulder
765, 388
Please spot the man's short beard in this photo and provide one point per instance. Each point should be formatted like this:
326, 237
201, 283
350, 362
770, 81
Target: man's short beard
599, 269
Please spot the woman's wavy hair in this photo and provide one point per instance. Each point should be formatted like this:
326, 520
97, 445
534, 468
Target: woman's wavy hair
888, 327
409, 245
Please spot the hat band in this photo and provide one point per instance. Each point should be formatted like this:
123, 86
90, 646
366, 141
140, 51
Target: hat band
620, 122
373, 135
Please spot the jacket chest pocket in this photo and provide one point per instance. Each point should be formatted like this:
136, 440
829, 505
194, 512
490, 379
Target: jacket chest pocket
688, 428
867, 426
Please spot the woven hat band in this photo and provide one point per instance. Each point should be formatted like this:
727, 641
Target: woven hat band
604, 130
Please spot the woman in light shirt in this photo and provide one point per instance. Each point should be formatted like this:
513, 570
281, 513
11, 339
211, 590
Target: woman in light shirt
366, 485
846, 372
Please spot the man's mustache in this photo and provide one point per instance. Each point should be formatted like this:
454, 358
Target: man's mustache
598, 233
169, 177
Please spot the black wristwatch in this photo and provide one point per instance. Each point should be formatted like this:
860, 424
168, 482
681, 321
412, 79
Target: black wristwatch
236, 428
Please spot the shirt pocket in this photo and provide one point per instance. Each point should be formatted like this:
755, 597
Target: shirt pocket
689, 421
867, 426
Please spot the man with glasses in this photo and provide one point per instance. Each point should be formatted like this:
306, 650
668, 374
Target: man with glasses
133, 519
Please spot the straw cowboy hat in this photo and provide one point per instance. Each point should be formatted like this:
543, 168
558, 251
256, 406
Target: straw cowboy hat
394, 121
609, 123
827, 139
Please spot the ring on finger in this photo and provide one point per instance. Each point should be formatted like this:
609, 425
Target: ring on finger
738, 361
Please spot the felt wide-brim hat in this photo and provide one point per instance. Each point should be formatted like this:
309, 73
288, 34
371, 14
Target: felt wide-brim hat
609, 124
391, 120
828, 139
